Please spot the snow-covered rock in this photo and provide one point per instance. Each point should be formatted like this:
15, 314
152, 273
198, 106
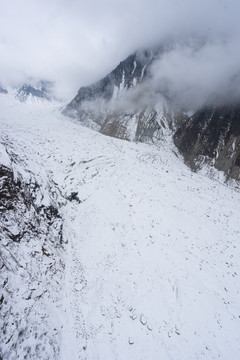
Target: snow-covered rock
31, 262
35, 93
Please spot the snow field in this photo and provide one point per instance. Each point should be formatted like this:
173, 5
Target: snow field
152, 259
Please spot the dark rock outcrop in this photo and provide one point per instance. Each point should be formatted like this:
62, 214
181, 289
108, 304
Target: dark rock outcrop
30, 269
212, 136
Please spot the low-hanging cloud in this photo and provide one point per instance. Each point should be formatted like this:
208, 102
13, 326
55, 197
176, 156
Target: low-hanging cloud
193, 75
74, 42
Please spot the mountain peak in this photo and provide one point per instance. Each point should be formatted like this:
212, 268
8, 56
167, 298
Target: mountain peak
40, 91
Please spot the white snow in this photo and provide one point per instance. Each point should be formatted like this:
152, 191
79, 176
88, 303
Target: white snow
142, 73
118, 91
4, 158
152, 260
134, 67
122, 84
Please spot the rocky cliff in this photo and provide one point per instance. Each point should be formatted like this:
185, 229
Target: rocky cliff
212, 136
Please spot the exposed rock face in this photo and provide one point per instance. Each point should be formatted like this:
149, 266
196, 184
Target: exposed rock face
149, 124
111, 107
141, 126
127, 74
31, 268
212, 136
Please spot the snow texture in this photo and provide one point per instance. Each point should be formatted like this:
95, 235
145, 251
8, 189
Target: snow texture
151, 265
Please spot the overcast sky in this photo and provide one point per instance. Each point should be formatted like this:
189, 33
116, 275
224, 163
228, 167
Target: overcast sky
76, 42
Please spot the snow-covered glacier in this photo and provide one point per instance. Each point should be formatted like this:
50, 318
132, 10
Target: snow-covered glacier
111, 249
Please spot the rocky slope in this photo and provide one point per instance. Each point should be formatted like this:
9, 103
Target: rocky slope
124, 105
117, 105
212, 136
30, 261
127, 74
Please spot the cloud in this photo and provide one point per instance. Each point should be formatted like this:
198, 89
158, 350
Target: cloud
76, 42
193, 74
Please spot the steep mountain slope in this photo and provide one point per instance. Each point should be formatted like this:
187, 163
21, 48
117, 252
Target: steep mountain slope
151, 265
212, 136
126, 75
125, 105
113, 105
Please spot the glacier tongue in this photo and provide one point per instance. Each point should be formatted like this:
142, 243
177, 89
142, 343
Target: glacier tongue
151, 250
